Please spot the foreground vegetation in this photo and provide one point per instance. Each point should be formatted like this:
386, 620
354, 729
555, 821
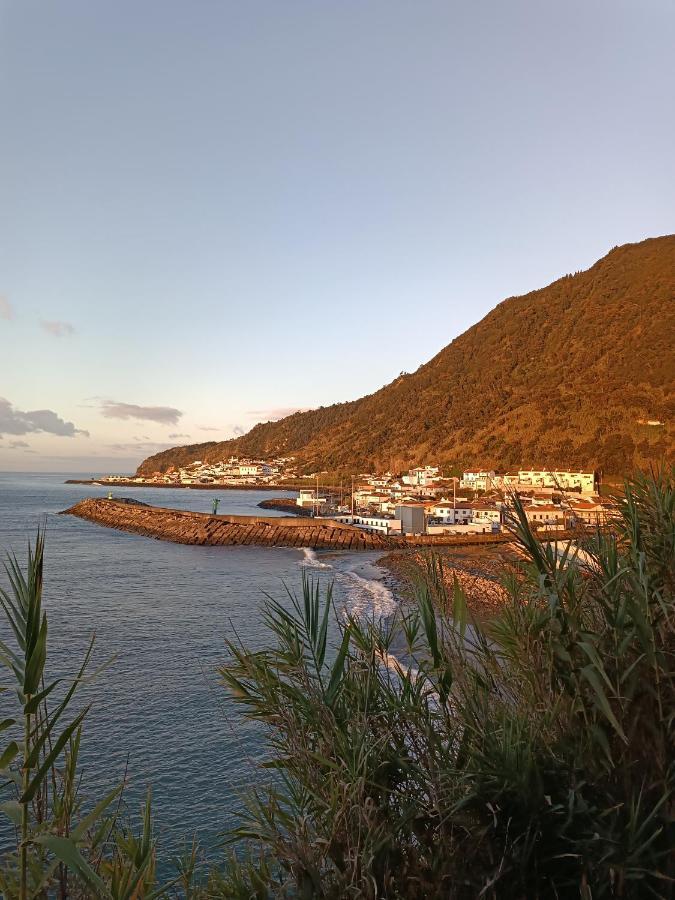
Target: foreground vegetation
532, 756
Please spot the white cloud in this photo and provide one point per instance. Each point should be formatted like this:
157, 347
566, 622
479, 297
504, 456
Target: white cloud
15, 421
165, 415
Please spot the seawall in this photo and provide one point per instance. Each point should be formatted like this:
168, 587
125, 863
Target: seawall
183, 527
186, 527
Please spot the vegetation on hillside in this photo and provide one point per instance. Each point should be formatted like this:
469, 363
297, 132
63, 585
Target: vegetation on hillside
567, 375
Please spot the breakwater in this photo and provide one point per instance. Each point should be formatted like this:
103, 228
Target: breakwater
184, 527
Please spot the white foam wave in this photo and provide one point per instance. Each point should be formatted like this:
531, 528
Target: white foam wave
364, 597
311, 561
367, 597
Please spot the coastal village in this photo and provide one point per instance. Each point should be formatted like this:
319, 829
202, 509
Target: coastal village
421, 501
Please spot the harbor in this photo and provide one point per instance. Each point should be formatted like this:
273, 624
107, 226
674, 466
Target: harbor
204, 529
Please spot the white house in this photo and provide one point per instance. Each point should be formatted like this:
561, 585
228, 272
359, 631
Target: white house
565, 480
478, 481
545, 514
443, 512
422, 475
248, 470
372, 524
309, 498
484, 514
589, 512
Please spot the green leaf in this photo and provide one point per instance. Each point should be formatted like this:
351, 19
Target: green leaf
7, 723
89, 820
13, 810
51, 756
459, 607
338, 667
37, 699
591, 677
45, 733
10, 752
66, 851
35, 665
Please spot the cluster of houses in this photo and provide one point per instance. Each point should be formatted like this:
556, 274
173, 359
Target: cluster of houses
421, 501
424, 502
231, 472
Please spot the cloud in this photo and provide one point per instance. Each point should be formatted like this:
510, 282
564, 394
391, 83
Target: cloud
165, 415
15, 445
209, 428
237, 430
6, 309
273, 415
178, 435
15, 421
57, 329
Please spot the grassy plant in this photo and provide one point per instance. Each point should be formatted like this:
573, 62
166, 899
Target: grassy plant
533, 756
61, 850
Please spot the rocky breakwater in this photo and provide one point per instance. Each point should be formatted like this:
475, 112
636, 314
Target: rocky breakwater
184, 527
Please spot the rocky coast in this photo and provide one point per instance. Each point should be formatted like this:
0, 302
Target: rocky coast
478, 570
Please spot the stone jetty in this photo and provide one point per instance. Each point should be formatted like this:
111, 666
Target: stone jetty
183, 527
186, 527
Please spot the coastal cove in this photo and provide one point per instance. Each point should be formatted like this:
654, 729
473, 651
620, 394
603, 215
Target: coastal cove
161, 611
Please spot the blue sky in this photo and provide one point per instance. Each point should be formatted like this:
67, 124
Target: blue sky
213, 212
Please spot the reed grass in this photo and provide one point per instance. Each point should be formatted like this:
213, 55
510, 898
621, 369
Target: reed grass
61, 851
532, 756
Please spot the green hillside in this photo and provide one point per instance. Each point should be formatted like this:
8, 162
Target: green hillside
566, 375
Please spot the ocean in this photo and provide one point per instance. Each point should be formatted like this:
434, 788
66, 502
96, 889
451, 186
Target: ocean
161, 613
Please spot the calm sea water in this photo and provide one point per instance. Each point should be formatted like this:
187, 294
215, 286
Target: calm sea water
163, 611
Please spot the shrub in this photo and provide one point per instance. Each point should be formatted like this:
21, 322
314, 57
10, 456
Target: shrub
530, 756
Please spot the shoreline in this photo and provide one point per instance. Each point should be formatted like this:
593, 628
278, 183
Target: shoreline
110, 485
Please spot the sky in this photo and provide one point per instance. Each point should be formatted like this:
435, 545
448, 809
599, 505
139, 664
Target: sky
213, 213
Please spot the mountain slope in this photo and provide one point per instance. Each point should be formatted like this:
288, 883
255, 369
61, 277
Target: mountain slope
565, 375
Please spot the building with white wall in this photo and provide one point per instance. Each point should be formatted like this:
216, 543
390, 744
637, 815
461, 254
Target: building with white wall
564, 480
479, 481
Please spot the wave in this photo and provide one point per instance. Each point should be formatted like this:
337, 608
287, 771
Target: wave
363, 596
311, 561
367, 597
